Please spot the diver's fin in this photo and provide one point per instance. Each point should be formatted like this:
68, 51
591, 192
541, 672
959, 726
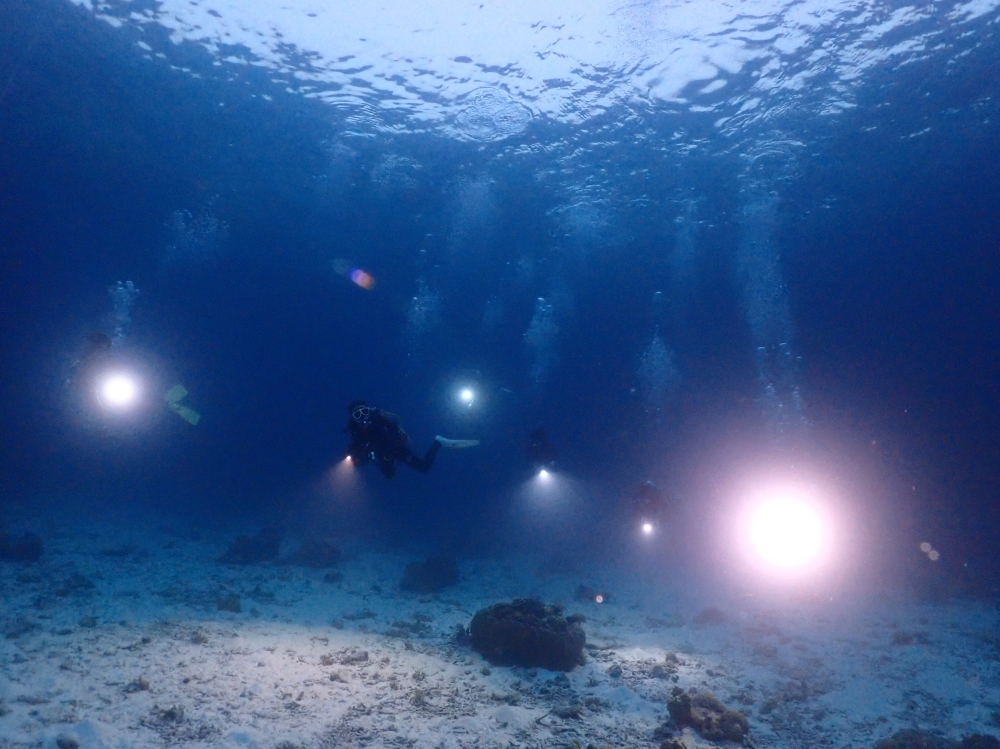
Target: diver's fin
455, 444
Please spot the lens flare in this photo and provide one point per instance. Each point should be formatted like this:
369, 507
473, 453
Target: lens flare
467, 396
362, 278
647, 528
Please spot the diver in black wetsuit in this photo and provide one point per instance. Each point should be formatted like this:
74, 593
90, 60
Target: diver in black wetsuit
649, 504
96, 353
376, 435
539, 452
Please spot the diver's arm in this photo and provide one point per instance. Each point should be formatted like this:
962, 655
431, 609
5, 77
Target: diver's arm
359, 453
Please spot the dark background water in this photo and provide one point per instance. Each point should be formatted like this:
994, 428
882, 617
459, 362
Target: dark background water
888, 246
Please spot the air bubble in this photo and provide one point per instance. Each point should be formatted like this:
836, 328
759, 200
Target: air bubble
492, 115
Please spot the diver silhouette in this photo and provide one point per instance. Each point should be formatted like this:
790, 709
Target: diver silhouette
649, 503
377, 436
95, 354
539, 452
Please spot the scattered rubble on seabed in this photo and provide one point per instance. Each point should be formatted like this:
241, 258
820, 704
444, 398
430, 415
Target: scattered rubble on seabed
147, 640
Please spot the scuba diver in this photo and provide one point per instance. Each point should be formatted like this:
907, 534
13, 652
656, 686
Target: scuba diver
539, 452
649, 505
376, 435
96, 354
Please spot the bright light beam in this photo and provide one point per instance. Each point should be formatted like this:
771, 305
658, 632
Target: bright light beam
544, 485
787, 533
467, 396
119, 391
343, 472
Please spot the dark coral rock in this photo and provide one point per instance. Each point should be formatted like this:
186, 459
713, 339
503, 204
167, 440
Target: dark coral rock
261, 548
25, 548
679, 707
662, 671
707, 715
527, 633
432, 576
318, 553
125, 550
980, 741
75, 583
711, 615
229, 603
137, 685
18, 627
572, 711
173, 714
909, 638
354, 658
914, 739
590, 595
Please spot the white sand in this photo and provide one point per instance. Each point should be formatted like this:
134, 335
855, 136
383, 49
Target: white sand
161, 665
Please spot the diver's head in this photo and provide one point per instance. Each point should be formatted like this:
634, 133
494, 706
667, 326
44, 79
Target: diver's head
98, 342
361, 413
538, 438
648, 493
538, 451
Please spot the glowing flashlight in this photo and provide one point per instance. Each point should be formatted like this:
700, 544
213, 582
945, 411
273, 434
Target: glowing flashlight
466, 396
787, 532
544, 475
119, 391
647, 528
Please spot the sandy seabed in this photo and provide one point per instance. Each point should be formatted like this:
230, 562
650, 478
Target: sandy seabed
115, 638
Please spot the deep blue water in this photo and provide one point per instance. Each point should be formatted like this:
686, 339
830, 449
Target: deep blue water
884, 246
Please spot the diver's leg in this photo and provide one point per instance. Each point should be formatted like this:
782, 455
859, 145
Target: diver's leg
417, 463
387, 466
